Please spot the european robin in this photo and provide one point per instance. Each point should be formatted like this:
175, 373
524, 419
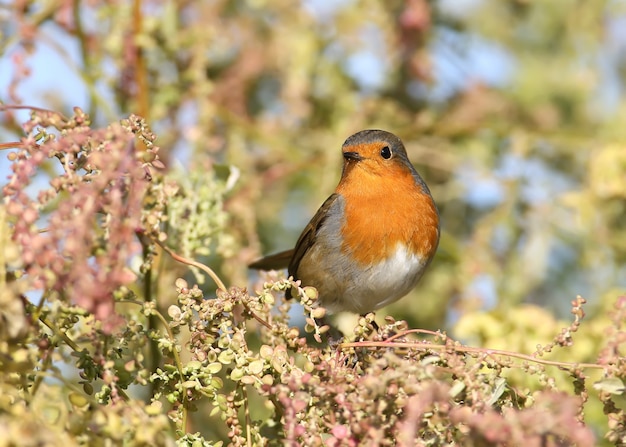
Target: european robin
371, 241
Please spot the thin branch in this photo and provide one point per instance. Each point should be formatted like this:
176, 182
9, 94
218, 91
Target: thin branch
256, 317
246, 405
415, 331
199, 265
141, 70
11, 145
469, 349
85, 56
5, 107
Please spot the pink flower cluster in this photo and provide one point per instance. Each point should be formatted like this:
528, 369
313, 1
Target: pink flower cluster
78, 235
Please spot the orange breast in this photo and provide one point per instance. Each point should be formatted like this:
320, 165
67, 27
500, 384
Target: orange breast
384, 211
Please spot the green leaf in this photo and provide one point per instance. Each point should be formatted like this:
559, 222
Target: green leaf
497, 391
612, 385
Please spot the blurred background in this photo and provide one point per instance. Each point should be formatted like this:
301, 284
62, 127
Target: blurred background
512, 111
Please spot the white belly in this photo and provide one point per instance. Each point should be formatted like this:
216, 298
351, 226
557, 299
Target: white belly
385, 283
344, 286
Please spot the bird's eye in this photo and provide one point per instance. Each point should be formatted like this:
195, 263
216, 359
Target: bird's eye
385, 152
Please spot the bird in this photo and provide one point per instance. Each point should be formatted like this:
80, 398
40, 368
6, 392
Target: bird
370, 242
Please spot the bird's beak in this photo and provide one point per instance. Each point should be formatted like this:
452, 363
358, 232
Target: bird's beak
355, 156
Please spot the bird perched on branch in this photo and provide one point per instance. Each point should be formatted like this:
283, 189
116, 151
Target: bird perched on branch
372, 239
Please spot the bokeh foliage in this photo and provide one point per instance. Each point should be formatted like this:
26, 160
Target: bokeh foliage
512, 111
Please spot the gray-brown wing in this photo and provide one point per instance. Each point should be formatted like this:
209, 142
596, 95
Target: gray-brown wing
309, 234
